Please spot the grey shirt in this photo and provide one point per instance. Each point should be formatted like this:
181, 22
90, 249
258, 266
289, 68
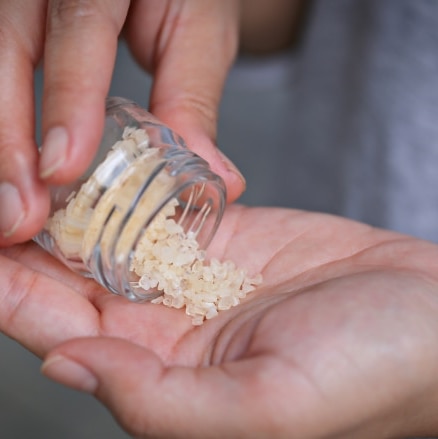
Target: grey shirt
347, 122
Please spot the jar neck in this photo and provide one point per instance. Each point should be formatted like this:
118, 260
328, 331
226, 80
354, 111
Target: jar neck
126, 210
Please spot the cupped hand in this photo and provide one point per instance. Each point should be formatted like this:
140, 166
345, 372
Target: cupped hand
341, 339
187, 45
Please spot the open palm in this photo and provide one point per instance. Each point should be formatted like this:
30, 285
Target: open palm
341, 339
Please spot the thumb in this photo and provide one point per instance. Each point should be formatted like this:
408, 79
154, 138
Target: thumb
148, 398
189, 48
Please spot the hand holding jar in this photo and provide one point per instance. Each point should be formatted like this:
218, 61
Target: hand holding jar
77, 42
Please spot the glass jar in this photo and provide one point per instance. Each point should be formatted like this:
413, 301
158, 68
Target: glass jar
141, 168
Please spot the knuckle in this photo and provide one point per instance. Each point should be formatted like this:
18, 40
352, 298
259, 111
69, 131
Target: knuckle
202, 104
71, 86
205, 108
69, 12
7, 31
9, 37
21, 28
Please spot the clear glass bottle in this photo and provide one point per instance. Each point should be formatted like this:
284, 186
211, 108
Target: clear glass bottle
141, 167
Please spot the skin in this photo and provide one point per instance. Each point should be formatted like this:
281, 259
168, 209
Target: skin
340, 340
187, 45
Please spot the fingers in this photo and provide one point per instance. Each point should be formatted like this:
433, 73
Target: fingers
81, 44
190, 59
23, 198
79, 55
149, 399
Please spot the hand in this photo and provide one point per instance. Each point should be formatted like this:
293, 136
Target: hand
341, 340
187, 45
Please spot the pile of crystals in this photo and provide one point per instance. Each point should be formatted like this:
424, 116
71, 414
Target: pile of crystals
170, 260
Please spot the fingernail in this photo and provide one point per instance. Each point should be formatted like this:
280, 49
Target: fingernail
69, 373
231, 167
54, 151
11, 209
